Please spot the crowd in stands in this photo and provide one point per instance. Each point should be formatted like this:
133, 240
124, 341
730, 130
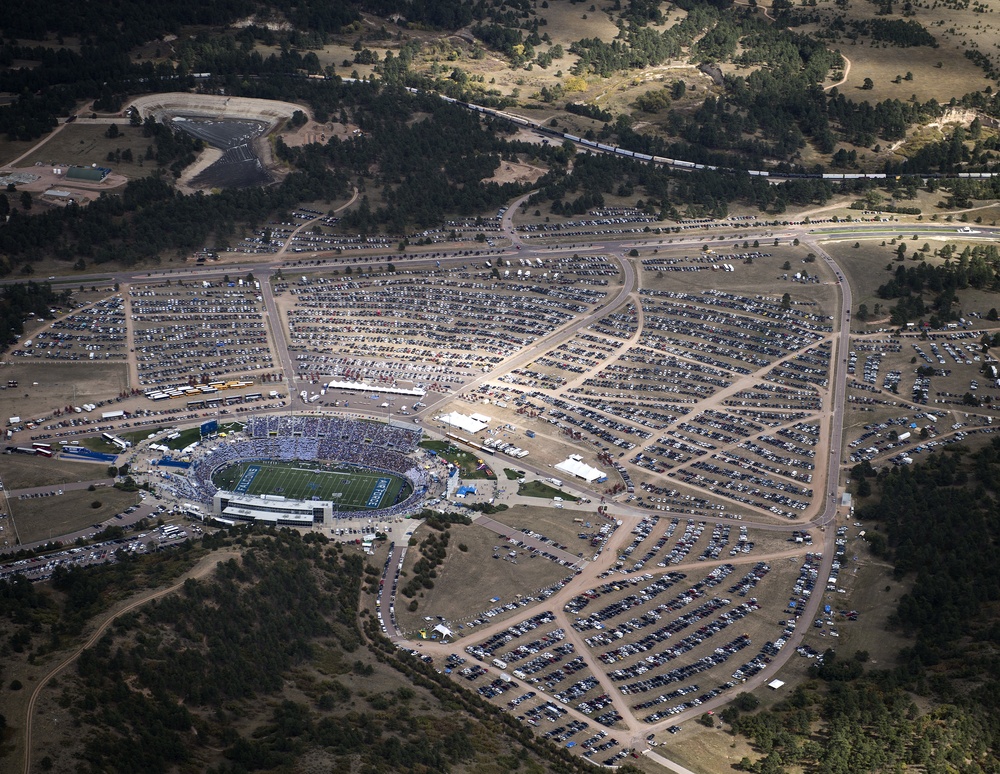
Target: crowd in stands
370, 445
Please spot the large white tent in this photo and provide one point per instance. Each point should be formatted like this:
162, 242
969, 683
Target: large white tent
580, 469
462, 422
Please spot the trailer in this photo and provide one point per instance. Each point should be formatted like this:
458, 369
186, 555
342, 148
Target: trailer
113, 415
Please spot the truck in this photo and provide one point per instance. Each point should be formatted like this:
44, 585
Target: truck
556, 482
529, 433
499, 664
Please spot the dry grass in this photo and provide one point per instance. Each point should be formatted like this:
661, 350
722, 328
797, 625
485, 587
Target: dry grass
468, 579
45, 386
42, 518
19, 471
83, 144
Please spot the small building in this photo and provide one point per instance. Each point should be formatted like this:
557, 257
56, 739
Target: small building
775, 684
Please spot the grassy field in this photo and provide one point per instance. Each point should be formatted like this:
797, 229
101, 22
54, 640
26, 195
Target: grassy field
467, 462
349, 489
49, 517
186, 438
468, 579
82, 145
46, 384
541, 489
19, 471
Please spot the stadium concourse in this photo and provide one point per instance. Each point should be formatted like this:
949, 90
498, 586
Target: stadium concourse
370, 447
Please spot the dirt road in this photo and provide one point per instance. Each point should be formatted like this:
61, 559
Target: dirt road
203, 568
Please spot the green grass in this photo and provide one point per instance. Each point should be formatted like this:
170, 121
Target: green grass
513, 475
541, 489
186, 438
348, 488
136, 436
98, 444
466, 462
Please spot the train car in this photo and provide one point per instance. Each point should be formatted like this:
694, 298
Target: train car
684, 164
591, 143
604, 147
758, 173
572, 138
644, 156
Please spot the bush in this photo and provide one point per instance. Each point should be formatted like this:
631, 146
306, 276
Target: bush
15, 685
96, 504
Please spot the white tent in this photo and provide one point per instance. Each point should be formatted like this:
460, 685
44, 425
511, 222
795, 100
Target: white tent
462, 422
580, 470
444, 631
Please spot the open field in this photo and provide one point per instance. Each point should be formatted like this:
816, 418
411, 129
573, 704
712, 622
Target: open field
545, 491
468, 579
82, 144
350, 489
43, 386
49, 517
874, 592
557, 524
19, 471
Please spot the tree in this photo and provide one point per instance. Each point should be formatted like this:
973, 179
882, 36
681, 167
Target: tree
862, 313
25, 200
992, 315
868, 85
112, 471
786, 301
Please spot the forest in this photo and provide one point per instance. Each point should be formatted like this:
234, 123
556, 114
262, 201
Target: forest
937, 523
975, 267
284, 678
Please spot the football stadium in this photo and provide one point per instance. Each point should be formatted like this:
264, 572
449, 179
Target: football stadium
308, 470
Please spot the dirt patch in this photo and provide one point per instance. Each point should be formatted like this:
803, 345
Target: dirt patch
516, 172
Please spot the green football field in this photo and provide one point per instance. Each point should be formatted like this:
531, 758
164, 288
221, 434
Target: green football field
348, 488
